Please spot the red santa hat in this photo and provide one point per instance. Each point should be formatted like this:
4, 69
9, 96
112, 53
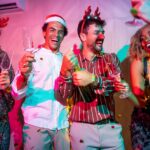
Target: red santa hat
55, 17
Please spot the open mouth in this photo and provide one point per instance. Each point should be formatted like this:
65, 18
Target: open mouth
148, 45
55, 41
99, 42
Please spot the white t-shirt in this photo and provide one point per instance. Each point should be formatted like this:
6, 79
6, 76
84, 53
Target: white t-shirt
40, 107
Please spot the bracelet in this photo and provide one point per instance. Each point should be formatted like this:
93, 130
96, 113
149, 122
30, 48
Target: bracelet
93, 78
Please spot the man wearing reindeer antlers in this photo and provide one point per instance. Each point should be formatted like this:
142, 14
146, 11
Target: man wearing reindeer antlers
89, 79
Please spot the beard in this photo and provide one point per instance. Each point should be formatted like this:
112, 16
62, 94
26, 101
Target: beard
98, 48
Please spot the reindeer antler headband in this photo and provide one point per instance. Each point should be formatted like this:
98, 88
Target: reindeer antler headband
88, 15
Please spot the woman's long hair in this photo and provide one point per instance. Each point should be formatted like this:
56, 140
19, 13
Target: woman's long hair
136, 51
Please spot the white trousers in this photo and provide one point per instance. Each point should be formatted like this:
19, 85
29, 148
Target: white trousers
85, 136
36, 138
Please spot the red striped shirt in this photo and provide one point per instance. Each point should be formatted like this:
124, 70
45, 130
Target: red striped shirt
90, 104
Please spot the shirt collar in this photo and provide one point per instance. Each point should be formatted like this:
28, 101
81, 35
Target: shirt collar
94, 58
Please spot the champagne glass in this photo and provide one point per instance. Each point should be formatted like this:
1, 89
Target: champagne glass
125, 92
27, 41
29, 45
5, 64
116, 76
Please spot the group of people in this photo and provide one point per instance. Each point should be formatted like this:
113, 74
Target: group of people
48, 82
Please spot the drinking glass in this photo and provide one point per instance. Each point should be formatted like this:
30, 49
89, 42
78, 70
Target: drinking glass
28, 45
5, 64
124, 93
27, 41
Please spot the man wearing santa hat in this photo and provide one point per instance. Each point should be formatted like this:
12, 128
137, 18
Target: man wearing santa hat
45, 119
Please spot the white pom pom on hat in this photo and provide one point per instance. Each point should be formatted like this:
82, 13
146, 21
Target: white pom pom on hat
56, 17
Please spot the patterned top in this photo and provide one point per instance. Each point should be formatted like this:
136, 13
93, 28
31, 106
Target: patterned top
91, 103
6, 100
147, 83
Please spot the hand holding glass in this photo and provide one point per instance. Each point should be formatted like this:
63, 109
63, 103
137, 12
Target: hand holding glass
4, 79
122, 86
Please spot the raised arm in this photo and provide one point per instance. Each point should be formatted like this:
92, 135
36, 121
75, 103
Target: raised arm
137, 80
21, 78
